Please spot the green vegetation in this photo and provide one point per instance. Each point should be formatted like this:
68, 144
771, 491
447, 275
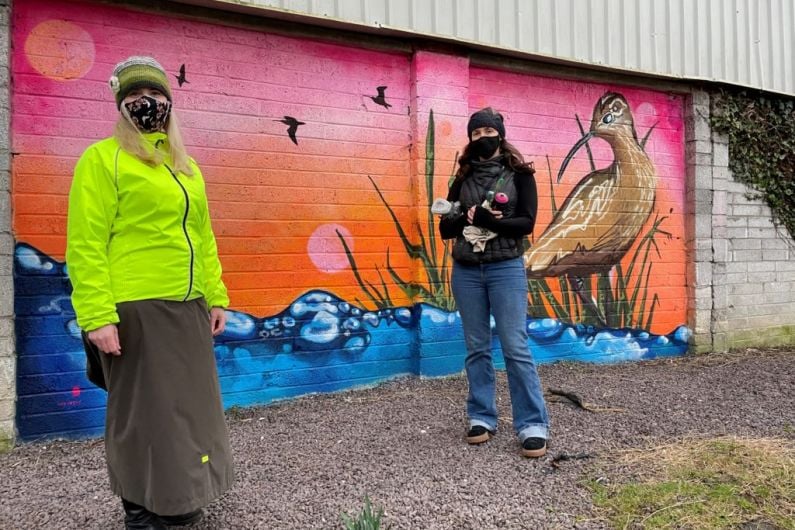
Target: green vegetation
761, 132
367, 519
717, 483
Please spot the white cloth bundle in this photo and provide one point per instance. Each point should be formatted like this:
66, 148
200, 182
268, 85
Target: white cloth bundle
478, 237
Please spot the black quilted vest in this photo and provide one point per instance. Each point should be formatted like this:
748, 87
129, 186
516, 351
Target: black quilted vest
482, 179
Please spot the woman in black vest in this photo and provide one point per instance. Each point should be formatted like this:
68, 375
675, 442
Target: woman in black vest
497, 194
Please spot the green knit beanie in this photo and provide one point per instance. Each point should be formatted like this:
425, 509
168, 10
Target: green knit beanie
138, 72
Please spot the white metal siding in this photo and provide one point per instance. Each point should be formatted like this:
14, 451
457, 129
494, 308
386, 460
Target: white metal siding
742, 42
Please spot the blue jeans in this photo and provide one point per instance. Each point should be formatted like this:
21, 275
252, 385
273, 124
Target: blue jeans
499, 289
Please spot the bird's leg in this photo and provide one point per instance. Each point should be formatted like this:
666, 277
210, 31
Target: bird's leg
605, 291
587, 300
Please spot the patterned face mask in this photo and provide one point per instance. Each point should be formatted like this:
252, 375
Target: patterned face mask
149, 114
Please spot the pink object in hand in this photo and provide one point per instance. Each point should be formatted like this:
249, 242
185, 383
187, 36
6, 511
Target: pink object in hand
501, 198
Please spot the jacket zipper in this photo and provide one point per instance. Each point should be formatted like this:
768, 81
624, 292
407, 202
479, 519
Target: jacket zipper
185, 230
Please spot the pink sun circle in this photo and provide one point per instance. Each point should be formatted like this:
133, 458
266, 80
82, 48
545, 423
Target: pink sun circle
326, 250
60, 50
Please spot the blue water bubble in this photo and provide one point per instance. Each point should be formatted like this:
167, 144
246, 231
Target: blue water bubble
324, 328
313, 303
544, 328
288, 322
270, 323
569, 335
316, 297
371, 318
239, 325
345, 307
33, 261
352, 324
403, 316
357, 342
58, 305
610, 347
683, 334
74, 330
436, 316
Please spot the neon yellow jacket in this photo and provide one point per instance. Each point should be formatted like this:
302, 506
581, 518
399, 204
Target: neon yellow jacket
137, 232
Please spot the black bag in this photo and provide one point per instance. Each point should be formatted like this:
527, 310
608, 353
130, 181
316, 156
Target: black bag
94, 371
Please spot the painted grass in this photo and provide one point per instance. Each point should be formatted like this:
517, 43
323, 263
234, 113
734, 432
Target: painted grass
433, 286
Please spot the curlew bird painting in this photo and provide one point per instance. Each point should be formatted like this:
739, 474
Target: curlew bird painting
602, 216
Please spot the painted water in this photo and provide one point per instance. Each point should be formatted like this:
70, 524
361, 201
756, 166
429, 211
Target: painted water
319, 343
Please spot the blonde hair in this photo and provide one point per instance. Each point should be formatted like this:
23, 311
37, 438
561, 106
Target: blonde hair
131, 140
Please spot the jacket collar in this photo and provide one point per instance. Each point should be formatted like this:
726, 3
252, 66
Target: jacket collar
158, 139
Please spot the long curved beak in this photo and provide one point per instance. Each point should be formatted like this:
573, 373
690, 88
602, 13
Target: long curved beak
581, 142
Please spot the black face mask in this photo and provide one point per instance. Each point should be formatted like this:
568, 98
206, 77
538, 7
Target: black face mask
484, 147
149, 114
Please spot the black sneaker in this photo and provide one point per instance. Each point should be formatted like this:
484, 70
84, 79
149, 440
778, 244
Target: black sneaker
534, 447
183, 519
477, 434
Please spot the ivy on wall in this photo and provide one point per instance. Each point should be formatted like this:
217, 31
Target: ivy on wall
761, 132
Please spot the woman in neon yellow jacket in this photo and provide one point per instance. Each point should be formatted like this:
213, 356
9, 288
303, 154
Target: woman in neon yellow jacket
147, 291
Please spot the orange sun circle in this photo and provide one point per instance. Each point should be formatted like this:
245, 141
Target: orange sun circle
60, 50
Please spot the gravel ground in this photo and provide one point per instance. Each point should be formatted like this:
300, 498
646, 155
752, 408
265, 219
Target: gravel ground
302, 463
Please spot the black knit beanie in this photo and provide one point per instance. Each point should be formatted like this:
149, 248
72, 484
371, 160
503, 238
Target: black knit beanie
487, 117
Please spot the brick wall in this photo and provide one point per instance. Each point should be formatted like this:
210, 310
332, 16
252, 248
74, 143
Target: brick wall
759, 282
740, 270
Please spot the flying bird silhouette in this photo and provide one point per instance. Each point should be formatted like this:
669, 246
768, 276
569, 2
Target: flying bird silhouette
380, 98
292, 127
181, 77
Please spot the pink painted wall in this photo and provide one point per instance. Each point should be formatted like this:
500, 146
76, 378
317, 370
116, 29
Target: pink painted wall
540, 121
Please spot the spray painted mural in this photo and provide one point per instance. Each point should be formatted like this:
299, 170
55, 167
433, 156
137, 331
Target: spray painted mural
321, 162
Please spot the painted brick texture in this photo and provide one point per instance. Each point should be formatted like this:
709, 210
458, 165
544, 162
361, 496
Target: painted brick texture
303, 318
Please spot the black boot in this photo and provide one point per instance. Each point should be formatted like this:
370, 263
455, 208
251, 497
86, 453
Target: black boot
183, 519
139, 518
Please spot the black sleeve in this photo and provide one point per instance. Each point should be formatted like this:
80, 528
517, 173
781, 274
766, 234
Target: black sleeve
523, 222
450, 228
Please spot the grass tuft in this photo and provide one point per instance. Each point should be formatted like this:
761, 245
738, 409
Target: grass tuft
368, 519
702, 483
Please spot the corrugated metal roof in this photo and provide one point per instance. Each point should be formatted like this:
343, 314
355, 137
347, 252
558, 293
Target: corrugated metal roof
741, 42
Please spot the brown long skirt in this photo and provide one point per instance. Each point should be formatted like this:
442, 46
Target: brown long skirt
166, 440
